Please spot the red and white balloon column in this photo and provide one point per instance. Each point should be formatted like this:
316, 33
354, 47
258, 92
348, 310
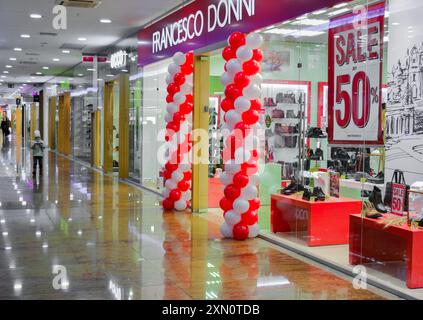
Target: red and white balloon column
177, 173
242, 81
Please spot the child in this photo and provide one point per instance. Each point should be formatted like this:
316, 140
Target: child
37, 152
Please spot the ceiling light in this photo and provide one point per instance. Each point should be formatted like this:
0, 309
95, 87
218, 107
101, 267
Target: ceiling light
109, 75
310, 22
17, 49
90, 69
39, 73
341, 5
295, 32
395, 23
45, 68
82, 39
3, 77
32, 77
56, 59
318, 12
124, 70
35, 16
25, 36
12, 59
8, 66
65, 51
80, 75
105, 21
336, 12
5, 71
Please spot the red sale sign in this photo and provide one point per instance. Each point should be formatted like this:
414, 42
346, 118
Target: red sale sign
355, 77
398, 198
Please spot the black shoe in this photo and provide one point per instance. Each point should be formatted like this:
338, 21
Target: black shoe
319, 153
378, 179
376, 199
306, 195
341, 154
314, 132
318, 194
292, 188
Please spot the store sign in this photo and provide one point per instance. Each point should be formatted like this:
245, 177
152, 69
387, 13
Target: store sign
203, 23
118, 59
398, 198
355, 77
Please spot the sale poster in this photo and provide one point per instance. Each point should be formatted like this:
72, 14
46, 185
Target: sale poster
355, 77
398, 198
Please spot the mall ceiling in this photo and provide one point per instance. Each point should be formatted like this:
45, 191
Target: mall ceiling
49, 51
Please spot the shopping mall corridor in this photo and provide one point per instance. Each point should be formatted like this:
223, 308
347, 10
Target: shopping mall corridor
77, 234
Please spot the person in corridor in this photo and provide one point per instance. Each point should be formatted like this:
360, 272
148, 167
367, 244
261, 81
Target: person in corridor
37, 152
5, 127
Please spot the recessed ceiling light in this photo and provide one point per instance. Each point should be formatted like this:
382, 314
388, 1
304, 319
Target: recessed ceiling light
341, 5
56, 59
32, 77
45, 68
39, 73
109, 75
80, 75
90, 69
82, 39
25, 36
105, 21
3, 77
124, 70
17, 49
35, 16
318, 12
395, 23
12, 59
65, 51
336, 12
8, 66
5, 72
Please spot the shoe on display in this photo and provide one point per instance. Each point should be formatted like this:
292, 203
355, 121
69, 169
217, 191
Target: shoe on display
341, 154
378, 179
319, 153
315, 132
306, 195
369, 210
292, 188
359, 175
376, 199
318, 194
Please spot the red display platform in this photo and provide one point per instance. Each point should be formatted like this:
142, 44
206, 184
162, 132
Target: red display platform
371, 242
319, 223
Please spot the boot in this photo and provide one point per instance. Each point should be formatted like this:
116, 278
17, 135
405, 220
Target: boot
306, 195
376, 199
293, 187
318, 194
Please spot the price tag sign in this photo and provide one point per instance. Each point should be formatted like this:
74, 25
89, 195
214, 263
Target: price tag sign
355, 77
398, 198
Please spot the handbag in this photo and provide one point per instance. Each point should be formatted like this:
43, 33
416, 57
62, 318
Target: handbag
397, 177
278, 114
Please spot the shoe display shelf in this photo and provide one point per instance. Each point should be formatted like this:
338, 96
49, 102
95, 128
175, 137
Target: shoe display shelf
352, 188
317, 223
395, 250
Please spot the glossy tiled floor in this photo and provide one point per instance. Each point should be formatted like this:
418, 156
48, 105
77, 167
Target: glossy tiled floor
76, 234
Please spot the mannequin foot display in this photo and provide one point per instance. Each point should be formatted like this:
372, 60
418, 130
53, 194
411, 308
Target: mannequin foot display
376, 199
369, 210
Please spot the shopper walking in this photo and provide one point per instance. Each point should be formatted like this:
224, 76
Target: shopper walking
37, 153
5, 127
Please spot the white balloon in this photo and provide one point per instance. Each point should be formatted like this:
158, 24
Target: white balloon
179, 98
241, 206
232, 168
249, 192
242, 155
242, 104
189, 79
168, 117
166, 193
251, 92
255, 179
257, 79
169, 79
226, 230
179, 58
184, 166
253, 231
171, 108
254, 40
233, 66
180, 205
186, 89
226, 79
232, 117
225, 130
244, 53
177, 176
187, 195
173, 69
170, 184
232, 218
226, 178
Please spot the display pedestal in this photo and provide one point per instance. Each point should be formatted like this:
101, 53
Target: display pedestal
371, 242
321, 223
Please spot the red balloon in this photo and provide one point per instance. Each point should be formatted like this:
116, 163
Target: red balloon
189, 98
187, 68
183, 185
251, 116
173, 126
232, 192
251, 67
240, 231
225, 204
179, 78
169, 98
237, 39
232, 92
187, 175
255, 104
178, 117
167, 174
173, 88
243, 127
186, 107
249, 169
189, 57
258, 55
250, 217
241, 80
228, 53
254, 203
175, 195
227, 105
240, 180
167, 204
171, 167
